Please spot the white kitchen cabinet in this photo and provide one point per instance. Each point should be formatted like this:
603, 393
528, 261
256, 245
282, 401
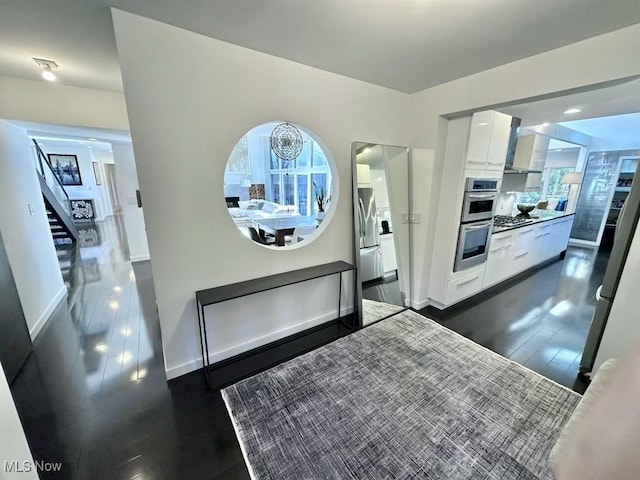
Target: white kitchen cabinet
560, 235
500, 132
464, 286
523, 253
479, 140
389, 262
488, 141
542, 243
520, 249
499, 266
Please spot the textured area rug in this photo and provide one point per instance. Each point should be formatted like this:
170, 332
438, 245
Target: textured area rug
373, 311
404, 398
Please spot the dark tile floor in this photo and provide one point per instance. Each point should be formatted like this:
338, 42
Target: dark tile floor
540, 321
93, 394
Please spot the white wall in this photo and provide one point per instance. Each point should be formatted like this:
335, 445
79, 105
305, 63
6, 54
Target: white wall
102, 158
13, 446
186, 116
127, 179
27, 237
89, 189
52, 103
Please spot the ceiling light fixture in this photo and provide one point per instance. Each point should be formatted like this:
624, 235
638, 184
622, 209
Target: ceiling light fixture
92, 139
47, 66
572, 110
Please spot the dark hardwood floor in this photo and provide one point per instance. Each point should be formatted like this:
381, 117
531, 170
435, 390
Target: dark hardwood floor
93, 394
541, 320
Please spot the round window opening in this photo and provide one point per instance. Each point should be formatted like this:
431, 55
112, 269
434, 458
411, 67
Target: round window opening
278, 185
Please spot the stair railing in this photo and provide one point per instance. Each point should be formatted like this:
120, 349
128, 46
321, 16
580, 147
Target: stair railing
52, 180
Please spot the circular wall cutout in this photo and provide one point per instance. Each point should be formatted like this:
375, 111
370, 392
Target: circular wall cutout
277, 185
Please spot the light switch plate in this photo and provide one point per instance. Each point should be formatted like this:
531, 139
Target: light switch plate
30, 207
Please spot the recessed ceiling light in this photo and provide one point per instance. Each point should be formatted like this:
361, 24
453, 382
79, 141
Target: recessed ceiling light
483, 124
92, 139
572, 110
47, 66
49, 75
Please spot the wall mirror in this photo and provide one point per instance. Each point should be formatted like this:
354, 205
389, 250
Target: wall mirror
382, 244
277, 185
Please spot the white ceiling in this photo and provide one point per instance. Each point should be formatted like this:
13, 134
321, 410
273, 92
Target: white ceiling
623, 129
407, 45
603, 102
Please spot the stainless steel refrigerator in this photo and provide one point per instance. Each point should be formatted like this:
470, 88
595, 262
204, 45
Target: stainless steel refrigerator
370, 250
606, 293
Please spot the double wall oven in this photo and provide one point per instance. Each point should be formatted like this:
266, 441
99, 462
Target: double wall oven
476, 222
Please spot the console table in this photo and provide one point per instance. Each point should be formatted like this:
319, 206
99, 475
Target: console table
223, 293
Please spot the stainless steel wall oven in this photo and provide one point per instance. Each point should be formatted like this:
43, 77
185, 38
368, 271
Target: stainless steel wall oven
476, 222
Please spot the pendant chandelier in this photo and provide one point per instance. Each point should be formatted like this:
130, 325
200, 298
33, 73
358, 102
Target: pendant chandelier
286, 142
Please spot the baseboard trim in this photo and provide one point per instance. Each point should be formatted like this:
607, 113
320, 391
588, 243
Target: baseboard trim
419, 304
139, 258
214, 357
46, 315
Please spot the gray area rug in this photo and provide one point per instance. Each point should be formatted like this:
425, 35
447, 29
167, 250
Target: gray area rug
404, 398
373, 311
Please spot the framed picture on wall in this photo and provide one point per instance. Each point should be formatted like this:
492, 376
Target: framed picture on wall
65, 168
96, 173
83, 210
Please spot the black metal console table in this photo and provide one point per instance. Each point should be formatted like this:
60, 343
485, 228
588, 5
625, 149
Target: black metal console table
215, 295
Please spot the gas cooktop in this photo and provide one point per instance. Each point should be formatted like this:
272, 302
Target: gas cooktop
506, 221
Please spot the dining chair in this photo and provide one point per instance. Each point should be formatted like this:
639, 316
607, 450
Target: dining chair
298, 232
256, 237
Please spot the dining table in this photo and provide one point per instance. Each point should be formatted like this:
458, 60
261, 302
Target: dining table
282, 226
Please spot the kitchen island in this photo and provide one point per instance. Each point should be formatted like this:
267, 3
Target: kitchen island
514, 249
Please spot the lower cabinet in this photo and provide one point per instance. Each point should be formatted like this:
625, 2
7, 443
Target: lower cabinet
389, 262
464, 286
499, 264
518, 250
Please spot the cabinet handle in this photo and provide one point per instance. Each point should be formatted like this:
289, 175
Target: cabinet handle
526, 231
468, 281
521, 255
495, 163
479, 162
501, 248
543, 234
502, 238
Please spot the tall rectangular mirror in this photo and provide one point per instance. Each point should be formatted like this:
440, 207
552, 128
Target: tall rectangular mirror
381, 229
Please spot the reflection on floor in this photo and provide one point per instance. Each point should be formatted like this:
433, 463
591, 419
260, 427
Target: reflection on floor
386, 290
373, 311
94, 396
540, 321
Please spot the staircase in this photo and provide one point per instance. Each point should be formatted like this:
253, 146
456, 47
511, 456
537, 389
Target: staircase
63, 231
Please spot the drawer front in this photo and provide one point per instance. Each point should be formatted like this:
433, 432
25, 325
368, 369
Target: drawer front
499, 265
464, 287
521, 260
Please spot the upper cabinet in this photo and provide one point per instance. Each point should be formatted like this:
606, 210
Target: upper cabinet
488, 141
531, 152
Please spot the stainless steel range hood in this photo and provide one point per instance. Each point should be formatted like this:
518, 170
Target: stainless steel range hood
523, 153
